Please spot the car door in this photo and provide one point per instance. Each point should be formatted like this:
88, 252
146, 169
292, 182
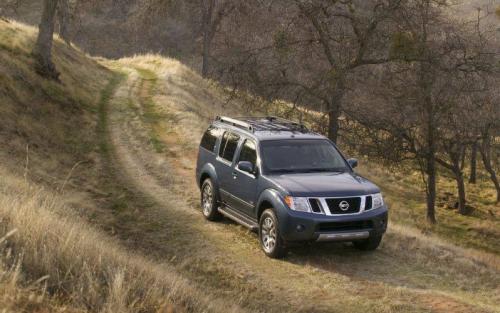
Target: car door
243, 188
224, 164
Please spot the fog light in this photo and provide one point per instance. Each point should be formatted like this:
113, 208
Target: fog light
383, 223
300, 228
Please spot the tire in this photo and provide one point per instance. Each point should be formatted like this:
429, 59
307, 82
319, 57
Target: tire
209, 205
368, 244
269, 235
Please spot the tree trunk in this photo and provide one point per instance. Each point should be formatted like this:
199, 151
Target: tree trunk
42, 51
459, 177
63, 18
431, 145
462, 160
335, 108
431, 152
485, 154
425, 83
473, 163
431, 185
333, 124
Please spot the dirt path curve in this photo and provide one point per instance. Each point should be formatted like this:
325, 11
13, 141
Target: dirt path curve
155, 120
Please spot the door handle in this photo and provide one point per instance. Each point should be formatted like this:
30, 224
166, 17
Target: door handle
235, 174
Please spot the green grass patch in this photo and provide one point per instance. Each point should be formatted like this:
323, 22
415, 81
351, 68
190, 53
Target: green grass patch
406, 200
118, 198
151, 116
157, 144
102, 111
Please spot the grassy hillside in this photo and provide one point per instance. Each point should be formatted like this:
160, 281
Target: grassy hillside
99, 211
51, 259
45, 122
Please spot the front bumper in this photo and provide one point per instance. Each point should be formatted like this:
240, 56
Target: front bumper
300, 226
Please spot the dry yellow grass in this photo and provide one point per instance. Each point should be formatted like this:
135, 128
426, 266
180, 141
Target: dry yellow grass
79, 266
55, 261
51, 122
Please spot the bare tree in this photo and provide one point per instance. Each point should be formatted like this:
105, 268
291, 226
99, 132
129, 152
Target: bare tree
418, 19
473, 163
469, 62
441, 48
63, 19
42, 51
305, 51
315, 52
419, 105
485, 150
340, 50
453, 145
8, 7
213, 12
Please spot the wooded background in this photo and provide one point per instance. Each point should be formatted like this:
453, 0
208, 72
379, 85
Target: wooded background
414, 81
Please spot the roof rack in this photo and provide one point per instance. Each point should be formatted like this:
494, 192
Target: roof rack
267, 123
285, 122
234, 122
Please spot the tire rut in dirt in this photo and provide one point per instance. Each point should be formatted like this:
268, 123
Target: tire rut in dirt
183, 242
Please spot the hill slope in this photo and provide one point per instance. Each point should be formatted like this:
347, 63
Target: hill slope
97, 180
51, 190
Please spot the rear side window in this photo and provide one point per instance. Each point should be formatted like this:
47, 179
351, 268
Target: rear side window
209, 138
248, 152
228, 146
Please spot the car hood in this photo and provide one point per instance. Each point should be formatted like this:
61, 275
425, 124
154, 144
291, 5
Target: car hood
324, 184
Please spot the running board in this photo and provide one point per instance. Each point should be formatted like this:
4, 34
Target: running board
239, 218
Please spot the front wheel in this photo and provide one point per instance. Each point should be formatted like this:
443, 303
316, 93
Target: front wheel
209, 201
368, 244
269, 235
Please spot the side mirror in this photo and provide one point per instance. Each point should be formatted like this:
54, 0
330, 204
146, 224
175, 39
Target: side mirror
246, 166
353, 162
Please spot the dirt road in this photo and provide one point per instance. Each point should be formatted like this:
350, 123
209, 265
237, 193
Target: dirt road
154, 122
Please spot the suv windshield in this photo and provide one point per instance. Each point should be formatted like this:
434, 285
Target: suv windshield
301, 156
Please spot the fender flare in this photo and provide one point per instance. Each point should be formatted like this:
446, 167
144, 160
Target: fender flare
272, 197
208, 171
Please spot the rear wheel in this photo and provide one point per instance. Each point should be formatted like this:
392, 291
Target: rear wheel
269, 235
208, 201
368, 244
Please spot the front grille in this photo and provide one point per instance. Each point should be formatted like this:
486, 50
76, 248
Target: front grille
315, 205
349, 205
368, 204
345, 226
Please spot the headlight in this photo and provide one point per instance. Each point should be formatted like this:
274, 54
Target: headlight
298, 204
378, 201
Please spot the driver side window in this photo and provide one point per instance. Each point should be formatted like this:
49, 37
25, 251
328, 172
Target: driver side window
248, 152
228, 146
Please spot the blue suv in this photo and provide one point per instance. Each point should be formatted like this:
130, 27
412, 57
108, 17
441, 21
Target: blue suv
291, 185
